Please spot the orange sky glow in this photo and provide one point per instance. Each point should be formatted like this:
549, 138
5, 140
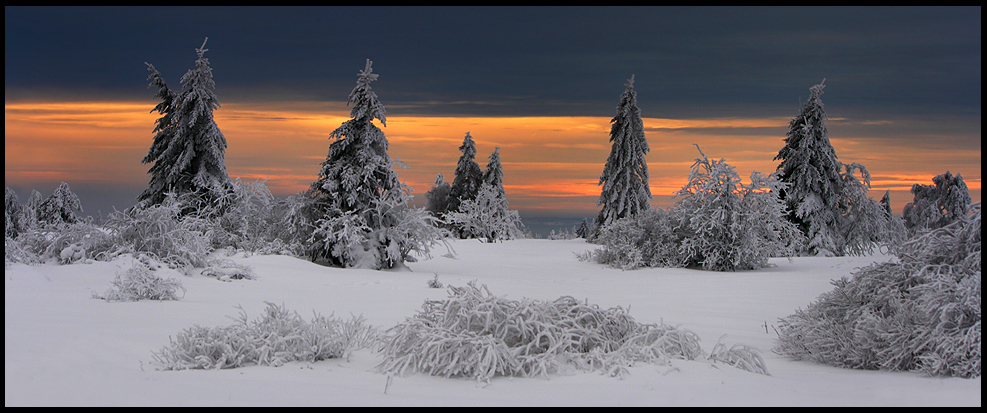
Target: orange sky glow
550, 163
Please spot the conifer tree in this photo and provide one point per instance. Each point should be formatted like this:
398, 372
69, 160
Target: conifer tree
60, 207
493, 175
188, 149
358, 170
468, 178
823, 196
365, 218
813, 174
625, 177
15, 221
437, 198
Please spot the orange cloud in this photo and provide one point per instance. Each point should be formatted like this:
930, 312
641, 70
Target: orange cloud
549, 162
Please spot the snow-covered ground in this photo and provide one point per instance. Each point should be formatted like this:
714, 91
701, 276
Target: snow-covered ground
64, 347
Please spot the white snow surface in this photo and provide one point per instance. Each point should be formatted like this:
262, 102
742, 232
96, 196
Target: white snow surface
62, 347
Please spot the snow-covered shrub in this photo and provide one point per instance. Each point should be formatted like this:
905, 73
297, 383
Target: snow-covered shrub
718, 224
227, 270
290, 224
649, 239
383, 236
434, 282
162, 230
245, 217
739, 355
141, 283
731, 226
935, 206
922, 312
477, 335
279, 336
487, 216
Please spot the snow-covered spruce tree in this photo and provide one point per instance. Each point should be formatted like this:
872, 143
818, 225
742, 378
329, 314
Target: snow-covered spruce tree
584, 229
15, 217
809, 166
437, 198
468, 175
487, 215
366, 220
823, 196
919, 312
625, 177
938, 205
60, 207
730, 226
188, 149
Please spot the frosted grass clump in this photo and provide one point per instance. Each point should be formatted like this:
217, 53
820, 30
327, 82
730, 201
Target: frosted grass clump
477, 335
922, 312
279, 336
141, 283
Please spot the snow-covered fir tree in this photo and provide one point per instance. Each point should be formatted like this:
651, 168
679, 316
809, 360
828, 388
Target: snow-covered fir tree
60, 207
15, 221
493, 175
468, 175
366, 220
584, 229
625, 177
358, 170
823, 196
437, 198
188, 149
488, 215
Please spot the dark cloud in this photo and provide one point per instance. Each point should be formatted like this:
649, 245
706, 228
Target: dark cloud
518, 61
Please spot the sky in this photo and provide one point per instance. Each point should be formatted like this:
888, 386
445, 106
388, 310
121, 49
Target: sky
903, 89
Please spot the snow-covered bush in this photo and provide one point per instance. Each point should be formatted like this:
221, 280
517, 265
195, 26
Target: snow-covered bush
731, 226
140, 282
387, 239
487, 216
922, 312
290, 224
227, 270
477, 335
161, 230
49, 229
718, 224
935, 206
279, 336
649, 239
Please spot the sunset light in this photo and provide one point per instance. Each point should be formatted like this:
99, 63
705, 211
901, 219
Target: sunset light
551, 163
